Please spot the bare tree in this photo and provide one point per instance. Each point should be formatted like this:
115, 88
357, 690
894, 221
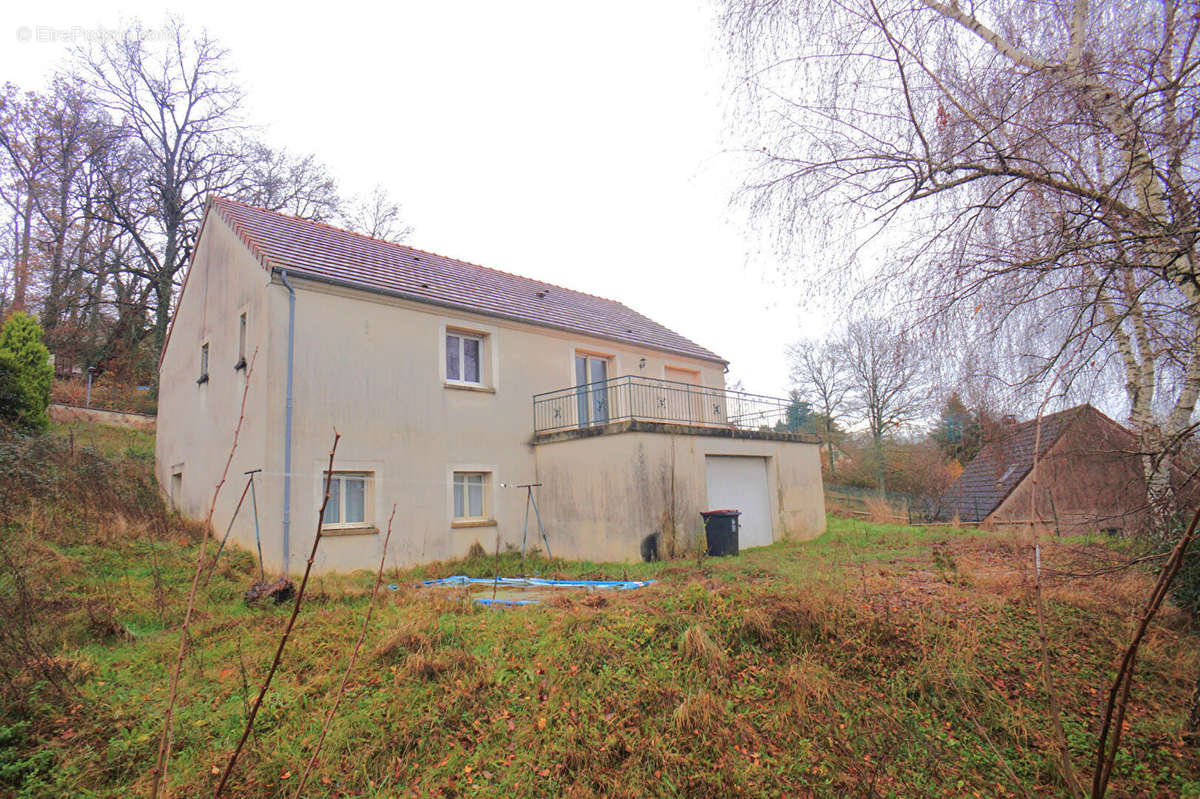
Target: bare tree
180, 103
78, 135
885, 381
377, 215
27, 151
104, 178
296, 185
819, 371
1034, 164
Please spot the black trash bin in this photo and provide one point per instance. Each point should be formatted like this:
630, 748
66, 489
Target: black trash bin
721, 531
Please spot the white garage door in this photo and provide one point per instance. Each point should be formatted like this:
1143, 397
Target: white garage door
740, 483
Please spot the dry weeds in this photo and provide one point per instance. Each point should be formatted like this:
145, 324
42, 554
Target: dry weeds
698, 712
697, 646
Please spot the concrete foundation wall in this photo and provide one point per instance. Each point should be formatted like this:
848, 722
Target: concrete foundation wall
602, 496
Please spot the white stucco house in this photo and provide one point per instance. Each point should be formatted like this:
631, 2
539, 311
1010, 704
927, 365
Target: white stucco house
451, 384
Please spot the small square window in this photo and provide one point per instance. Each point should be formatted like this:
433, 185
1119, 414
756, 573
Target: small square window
470, 496
464, 358
349, 500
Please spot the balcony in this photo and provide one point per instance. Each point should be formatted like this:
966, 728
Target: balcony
633, 402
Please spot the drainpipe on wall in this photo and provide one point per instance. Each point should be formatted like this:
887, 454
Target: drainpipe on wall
287, 423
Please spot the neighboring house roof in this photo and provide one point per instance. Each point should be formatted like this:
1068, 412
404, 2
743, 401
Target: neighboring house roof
321, 252
1004, 462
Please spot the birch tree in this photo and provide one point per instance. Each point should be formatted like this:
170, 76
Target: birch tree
1030, 168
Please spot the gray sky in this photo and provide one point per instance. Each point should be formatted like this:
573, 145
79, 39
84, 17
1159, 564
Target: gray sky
576, 144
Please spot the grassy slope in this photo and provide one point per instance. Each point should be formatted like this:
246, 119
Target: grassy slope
877, 659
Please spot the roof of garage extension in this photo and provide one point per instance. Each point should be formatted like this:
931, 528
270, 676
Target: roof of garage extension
325, 253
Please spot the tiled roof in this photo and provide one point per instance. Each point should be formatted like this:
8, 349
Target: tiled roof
1002, 464
311, 249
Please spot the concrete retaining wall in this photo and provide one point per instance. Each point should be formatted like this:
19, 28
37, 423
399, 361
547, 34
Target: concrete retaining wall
66, 414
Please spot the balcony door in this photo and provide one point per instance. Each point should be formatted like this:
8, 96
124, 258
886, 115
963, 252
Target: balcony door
591, 372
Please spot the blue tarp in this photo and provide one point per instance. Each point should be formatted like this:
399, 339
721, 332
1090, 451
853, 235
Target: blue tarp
534, 582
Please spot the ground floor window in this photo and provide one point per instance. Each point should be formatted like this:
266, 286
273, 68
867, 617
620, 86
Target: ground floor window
349, 500
470, 496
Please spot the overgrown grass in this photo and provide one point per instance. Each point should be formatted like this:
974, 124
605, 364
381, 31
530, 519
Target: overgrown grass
875, 660
108, 440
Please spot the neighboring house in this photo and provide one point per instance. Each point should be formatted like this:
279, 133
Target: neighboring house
452, 385
1089, 477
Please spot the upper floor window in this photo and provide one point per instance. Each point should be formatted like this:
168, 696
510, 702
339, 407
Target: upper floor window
464, 358
203, 363
241, 361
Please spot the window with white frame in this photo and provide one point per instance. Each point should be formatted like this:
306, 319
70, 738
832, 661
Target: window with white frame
470, 496
349, 500
464, 358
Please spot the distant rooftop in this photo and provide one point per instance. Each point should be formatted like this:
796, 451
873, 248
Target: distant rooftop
321, 252
1004, 462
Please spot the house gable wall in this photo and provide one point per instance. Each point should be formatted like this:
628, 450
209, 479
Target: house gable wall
196, 422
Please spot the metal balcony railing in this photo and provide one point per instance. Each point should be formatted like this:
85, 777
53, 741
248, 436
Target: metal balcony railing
654, 400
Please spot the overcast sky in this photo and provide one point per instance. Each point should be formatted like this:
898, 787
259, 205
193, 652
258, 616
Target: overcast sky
582, 145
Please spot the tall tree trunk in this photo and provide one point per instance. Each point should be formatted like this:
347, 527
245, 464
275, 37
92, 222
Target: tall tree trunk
21, 271
51, 306
880, 471
162, 311
1160, 493
164, 285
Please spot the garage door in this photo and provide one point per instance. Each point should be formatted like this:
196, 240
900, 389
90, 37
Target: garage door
741, 483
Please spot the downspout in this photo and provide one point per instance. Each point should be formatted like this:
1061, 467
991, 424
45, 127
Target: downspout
287, 423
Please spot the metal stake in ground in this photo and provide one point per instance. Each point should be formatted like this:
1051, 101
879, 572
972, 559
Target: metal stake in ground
257, 536
496, 578
530, 499
241, 499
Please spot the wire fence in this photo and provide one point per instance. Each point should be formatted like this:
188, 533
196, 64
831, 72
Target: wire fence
870, 503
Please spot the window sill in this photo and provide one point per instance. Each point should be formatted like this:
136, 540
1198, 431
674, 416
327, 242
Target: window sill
366, 529
466, 524
470, 387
